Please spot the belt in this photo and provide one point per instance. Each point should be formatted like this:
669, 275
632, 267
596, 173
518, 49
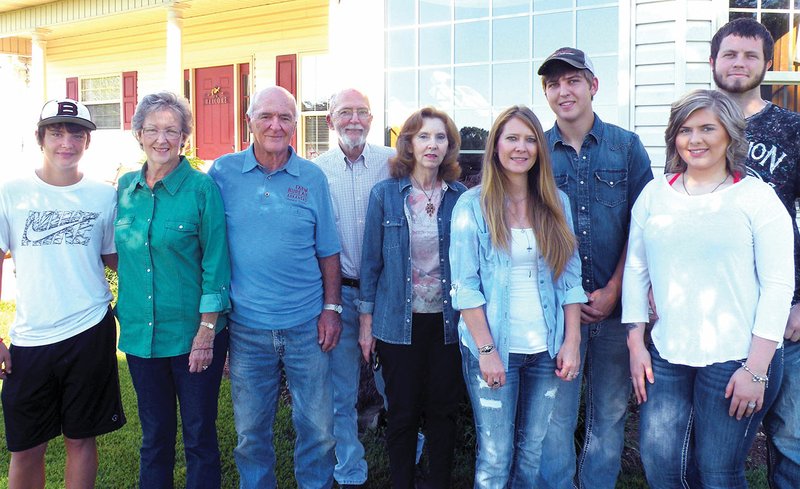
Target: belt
351, 282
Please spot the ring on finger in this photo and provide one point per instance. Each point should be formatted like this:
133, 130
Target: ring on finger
496, 383
751, 405
205, 367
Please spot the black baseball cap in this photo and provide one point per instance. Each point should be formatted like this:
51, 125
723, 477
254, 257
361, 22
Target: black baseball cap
66, 110
571, 56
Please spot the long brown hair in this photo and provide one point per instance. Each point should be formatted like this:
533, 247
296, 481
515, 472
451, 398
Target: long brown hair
403, 164
554, 238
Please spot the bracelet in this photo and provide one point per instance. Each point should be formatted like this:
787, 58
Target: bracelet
756, 377
486, 349
207, 325
201, 349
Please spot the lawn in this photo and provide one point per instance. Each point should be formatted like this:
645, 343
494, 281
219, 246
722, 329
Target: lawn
119, 451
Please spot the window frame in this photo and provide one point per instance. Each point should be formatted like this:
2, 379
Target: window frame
118, 101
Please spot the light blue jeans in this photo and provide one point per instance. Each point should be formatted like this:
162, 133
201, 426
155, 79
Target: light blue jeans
606, 367
511, 421
351, 468
256, 356
782, 424
685, 427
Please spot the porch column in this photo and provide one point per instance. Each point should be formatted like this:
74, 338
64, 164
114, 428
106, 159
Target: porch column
38, 74
174, 58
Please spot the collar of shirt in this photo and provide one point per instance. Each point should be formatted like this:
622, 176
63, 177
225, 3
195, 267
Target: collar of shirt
598, 126
292, 166
172, 182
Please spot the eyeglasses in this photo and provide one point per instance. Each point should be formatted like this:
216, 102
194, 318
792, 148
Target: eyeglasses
152, 133
348, 113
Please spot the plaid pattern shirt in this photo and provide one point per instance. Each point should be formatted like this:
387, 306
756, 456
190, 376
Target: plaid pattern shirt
350, 184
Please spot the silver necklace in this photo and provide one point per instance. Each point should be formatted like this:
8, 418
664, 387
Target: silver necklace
429, 207
683, 182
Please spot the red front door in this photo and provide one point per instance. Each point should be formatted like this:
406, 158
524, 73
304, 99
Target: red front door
214, 101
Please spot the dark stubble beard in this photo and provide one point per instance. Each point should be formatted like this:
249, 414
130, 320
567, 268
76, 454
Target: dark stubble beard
737, 86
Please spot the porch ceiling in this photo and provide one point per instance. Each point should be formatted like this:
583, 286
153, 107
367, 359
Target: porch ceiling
140, 16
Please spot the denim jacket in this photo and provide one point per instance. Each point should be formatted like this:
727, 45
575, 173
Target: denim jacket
602, 182
385, 290
482, 276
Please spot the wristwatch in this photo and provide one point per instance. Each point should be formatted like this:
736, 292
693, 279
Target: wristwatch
333, 307
208, 325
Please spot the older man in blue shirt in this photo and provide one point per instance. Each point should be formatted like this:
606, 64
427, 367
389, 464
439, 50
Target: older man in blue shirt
285, 291
602, 168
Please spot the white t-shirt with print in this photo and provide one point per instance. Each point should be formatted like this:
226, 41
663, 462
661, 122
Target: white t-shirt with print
56, 236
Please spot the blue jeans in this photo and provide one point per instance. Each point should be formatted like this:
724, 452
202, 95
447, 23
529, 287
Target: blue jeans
605, 364
782, 424
158, 382
255, 361
685, 426
351, 468
511, 421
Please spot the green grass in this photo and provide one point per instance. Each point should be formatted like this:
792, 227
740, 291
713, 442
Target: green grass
119, 451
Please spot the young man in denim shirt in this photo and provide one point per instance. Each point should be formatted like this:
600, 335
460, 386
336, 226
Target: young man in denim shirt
602, 168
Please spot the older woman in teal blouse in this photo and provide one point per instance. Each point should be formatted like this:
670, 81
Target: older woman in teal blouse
174, 275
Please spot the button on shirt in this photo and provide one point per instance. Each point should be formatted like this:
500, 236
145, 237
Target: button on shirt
279, 224
350, 184
602, 182
173, 260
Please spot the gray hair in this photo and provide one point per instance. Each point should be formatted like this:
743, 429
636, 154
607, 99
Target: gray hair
334, 100
155, 102
729, 115
260, 93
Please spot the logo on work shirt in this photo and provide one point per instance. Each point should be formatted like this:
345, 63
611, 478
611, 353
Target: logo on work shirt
58, 227
298, 193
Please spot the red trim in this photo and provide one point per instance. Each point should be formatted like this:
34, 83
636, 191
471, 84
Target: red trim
674, 177
129, 97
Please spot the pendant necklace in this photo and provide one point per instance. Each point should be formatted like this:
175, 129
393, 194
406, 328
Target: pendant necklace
429, 207
683, 181
525, 232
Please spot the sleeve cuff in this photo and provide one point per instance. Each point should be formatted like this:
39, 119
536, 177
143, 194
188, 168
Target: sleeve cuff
365, 307
464, 298
575, 295
215, 302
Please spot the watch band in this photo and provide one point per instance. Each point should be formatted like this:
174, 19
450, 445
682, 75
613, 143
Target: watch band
208, 325
333, 307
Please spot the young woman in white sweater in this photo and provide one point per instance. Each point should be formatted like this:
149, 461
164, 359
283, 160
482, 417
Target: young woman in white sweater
715, 246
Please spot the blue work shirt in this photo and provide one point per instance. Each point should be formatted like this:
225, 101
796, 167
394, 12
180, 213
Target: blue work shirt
386, 261
279, 224
482, 278
602, 183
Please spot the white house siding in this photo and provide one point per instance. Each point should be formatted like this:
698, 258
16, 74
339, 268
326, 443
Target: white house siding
671, 48
136, 41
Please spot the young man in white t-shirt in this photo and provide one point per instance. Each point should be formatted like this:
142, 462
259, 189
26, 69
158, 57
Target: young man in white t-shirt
60, 371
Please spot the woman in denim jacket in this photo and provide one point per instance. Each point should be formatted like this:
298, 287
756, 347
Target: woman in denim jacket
404, 303
517, 283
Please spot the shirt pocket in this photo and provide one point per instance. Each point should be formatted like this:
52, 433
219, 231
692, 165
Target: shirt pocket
486, 250
611, 187
123, 229
299, 230
561, 182
393, 231
180, 236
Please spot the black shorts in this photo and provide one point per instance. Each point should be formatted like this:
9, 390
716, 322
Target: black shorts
69, 387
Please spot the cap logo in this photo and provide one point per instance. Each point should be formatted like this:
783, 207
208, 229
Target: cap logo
67, 108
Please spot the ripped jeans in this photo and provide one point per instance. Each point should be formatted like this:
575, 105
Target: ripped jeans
511, 421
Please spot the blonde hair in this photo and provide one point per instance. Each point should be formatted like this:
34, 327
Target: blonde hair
555, 240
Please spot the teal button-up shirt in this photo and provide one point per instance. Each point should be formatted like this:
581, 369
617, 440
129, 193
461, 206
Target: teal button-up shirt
173, 260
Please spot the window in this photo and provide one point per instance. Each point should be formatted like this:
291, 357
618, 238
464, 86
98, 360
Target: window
314, 94
473, 59
781, 17
103, 97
